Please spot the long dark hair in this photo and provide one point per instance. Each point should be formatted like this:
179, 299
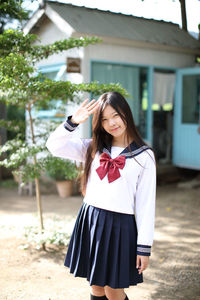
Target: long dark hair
102, 139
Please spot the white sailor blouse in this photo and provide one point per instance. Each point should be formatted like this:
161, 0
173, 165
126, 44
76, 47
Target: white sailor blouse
131, 191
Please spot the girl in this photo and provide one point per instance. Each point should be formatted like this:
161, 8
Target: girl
113, 234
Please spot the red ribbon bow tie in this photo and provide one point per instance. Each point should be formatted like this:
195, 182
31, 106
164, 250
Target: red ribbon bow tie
110, 166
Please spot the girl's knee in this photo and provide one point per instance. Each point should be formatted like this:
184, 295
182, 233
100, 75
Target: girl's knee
114, 294
97, 290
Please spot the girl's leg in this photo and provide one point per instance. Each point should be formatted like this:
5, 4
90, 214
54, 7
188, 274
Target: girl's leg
97, 291
115, 294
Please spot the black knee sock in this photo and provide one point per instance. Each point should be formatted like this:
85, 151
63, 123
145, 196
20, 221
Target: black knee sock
98, 298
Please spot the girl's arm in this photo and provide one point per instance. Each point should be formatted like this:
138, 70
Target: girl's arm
63, 143
145, 205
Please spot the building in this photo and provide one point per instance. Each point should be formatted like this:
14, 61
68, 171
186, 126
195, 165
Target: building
154, 60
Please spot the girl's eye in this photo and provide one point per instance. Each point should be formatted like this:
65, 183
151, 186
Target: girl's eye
116, 115
103, 119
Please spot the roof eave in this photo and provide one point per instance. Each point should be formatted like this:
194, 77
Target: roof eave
59, 21
33, 20
53, 16
141, 44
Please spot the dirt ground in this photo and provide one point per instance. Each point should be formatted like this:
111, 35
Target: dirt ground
174, 271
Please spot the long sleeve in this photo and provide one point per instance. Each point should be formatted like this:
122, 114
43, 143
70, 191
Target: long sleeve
63, 143
145, 205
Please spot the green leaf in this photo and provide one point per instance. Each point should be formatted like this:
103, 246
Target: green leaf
20, 85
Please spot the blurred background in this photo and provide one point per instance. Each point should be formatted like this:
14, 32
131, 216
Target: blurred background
54, 54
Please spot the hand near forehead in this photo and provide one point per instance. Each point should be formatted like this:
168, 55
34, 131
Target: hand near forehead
84, 111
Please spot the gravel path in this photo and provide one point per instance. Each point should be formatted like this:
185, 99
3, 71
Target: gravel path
173, 273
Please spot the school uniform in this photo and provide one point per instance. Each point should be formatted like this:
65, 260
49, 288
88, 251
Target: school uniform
116, 220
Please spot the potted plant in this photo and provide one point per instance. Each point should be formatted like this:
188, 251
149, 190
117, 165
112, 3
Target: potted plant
63, 172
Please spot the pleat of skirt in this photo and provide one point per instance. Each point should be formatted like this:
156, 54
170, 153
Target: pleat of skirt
102, 248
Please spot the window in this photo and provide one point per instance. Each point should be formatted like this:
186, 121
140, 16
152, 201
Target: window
191, 99
54, 72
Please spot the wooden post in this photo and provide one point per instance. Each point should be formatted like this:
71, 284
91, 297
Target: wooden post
183, 15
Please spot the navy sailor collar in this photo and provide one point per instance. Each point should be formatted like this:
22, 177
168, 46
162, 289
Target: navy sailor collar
130, 151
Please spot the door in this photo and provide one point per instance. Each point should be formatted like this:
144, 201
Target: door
186, 138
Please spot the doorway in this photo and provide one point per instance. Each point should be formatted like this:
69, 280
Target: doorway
162, 110
135, 80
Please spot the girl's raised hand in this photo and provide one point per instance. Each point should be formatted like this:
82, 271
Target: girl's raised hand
84, 111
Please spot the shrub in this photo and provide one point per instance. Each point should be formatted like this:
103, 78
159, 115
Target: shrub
61, 169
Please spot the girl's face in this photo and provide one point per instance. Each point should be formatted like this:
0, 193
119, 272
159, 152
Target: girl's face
112, 123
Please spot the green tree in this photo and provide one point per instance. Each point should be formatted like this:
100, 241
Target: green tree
10, 10
20, 86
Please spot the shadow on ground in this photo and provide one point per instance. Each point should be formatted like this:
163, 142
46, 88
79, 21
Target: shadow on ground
174, 266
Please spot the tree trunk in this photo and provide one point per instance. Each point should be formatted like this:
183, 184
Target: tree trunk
3, 132
37, 183
183, 15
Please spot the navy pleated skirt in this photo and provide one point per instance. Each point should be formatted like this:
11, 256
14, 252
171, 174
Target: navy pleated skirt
103, 248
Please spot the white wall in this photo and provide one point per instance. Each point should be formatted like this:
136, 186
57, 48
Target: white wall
49, 33
126, 54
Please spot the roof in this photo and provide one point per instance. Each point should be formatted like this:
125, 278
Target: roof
116, 25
